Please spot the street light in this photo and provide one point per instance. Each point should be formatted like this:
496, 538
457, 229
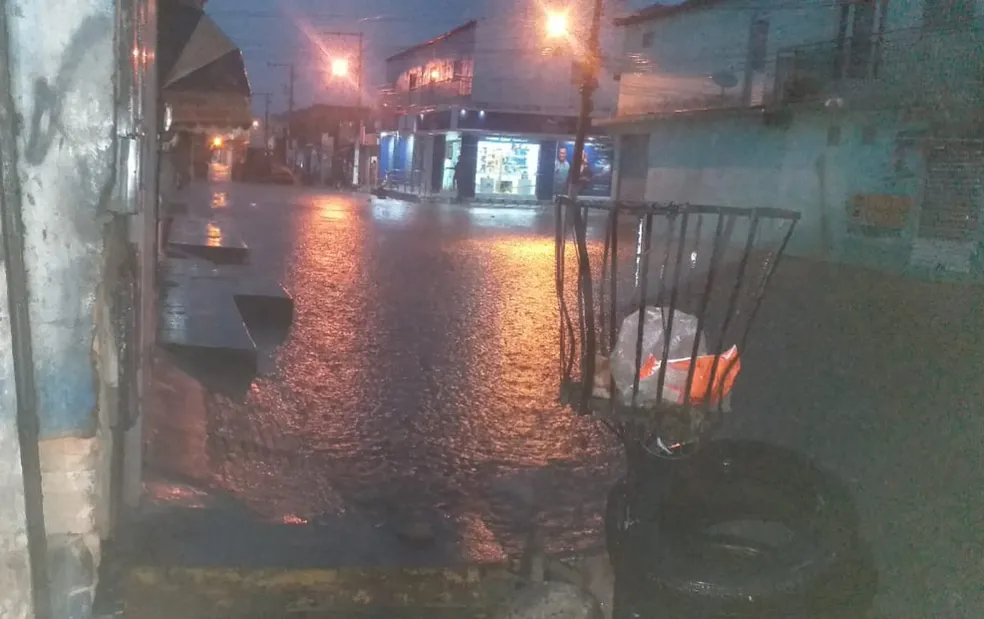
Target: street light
558, 25
340, 67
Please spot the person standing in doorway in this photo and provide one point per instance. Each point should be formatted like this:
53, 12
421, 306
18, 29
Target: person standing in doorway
456, 178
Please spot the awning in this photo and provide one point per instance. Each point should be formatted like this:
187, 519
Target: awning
202, 74
206, 44
212, 113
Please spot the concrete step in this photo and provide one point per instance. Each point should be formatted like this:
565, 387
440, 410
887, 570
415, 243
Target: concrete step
207, 239
219, 593
193, 315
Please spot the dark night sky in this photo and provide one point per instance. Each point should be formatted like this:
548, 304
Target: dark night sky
273, 31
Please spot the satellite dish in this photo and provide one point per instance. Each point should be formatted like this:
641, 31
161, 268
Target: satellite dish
725, 79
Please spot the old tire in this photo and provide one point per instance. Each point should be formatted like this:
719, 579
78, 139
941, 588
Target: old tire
682, 555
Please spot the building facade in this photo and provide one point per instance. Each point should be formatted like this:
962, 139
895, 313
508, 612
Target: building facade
862, 115
477, 113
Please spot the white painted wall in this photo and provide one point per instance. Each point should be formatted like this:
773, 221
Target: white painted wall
744, 163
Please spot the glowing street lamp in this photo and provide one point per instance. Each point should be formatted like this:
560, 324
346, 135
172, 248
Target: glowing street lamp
557, 24
340, 67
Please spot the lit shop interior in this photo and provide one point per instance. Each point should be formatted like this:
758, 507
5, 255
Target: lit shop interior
506, 166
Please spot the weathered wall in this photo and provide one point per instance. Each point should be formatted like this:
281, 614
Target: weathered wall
63, 60
15, 595
813, 165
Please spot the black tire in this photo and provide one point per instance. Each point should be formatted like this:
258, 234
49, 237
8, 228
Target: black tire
674, 563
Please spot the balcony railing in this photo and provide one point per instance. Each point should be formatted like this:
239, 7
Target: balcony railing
901, 68
457, 90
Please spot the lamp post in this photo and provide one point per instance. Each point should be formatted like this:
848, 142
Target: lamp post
340, 68
557, 26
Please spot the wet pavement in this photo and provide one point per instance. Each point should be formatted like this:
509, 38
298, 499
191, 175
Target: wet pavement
418, 387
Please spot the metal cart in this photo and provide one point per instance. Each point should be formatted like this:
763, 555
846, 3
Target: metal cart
711, 264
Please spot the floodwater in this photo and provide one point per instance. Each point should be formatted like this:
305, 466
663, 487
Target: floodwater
418, 383
418, 386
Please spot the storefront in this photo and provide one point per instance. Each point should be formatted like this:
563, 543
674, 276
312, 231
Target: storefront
507, 167
494, 156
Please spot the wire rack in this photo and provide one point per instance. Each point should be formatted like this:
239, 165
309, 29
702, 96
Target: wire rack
708, 265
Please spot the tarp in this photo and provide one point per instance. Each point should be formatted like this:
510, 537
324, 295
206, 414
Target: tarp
206, 45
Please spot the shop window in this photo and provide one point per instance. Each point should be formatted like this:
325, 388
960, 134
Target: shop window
507, 167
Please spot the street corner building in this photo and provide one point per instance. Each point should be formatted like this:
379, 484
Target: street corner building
81, 116
464, 118
864, 116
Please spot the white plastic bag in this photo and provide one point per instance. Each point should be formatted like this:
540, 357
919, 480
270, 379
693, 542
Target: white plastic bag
623, 360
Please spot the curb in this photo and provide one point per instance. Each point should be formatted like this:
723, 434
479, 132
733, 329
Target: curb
152, 592
414, 198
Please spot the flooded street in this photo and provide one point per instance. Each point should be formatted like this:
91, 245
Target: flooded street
411, 414
418, 382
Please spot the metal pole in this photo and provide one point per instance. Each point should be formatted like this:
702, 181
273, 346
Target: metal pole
588, 86
21, 349
266, 117
290, 107
290, 102
266, 122
358, 140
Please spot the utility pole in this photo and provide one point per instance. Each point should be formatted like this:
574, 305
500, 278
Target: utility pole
266, 117
290, 99
591, 66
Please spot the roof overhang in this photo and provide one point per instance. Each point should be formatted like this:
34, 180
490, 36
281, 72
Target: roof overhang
626, 123
662, 11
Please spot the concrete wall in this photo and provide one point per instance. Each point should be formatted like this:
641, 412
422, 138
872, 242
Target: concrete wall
15, 564
672, 72
813, 165
62, 56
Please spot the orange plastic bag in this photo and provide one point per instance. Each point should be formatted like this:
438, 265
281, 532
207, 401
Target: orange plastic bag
729, 365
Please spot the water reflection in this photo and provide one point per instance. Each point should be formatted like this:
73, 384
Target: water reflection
219, 200
391, 210
419, 381
213, 235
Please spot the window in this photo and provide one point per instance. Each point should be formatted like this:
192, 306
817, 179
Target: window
413, 81
948, 14
647, 39
856, 37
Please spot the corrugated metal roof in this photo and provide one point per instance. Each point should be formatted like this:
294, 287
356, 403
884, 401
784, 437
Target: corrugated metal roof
662, 11
448, 34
